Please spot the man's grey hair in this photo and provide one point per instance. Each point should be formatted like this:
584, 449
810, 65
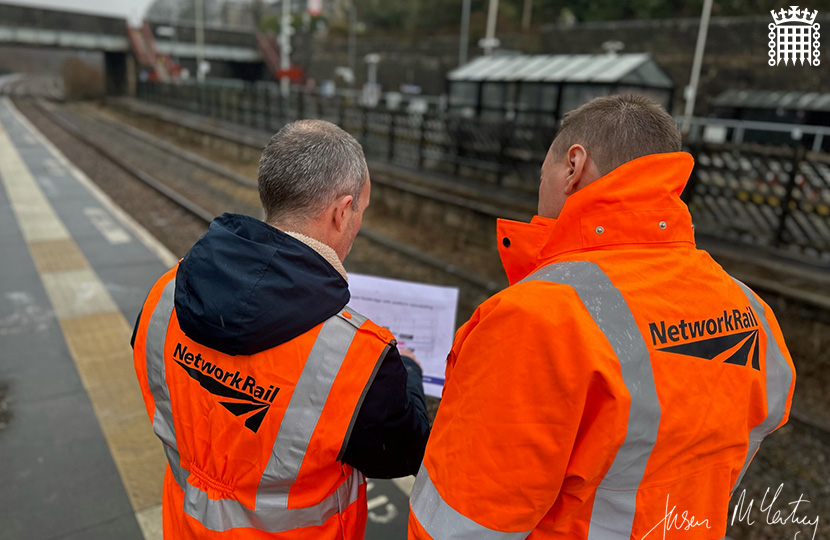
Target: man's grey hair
305, 167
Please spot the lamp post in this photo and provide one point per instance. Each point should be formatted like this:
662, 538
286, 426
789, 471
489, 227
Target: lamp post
489, 43
526, 12
372, 94
465, 33
352, 40
691, 90
200, 40
285, 46
174, 21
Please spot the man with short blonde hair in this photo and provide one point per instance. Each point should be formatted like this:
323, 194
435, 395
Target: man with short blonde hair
622, 383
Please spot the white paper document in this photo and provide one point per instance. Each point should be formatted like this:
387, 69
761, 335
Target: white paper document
420, 316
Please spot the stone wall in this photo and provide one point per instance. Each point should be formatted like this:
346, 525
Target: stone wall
736, 54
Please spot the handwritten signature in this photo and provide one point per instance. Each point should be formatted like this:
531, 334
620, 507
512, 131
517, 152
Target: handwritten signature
741, 512
679, 521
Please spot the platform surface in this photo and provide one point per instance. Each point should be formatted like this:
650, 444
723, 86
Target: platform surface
79, 458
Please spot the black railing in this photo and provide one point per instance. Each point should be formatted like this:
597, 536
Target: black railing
775, 198
506, 154
772, 197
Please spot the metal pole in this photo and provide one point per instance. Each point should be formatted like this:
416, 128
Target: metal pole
691, 90
492, 15
352, 43
526, 14
285, 46
465, 33
174, 16
200, 39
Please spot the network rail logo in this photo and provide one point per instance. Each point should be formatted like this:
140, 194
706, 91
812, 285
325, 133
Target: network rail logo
794, 37
241, 395
736, 347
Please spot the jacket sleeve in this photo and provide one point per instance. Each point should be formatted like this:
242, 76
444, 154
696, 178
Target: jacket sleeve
391, 429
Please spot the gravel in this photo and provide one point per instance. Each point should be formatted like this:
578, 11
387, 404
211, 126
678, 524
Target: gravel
174, 227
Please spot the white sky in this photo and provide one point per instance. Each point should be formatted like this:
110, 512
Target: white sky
124, 8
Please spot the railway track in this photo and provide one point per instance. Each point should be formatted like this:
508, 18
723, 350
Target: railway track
204, 189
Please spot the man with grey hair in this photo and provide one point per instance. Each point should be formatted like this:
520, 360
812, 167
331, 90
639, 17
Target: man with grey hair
272, 397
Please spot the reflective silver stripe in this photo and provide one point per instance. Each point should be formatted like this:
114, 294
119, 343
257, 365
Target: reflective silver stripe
779, 379
270, 515
616, 498
156, 334
304, 409
443, 522
310, 394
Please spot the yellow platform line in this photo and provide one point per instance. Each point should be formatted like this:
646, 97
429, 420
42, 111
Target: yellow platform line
97, 336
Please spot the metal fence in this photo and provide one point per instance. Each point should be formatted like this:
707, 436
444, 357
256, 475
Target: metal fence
776, 198
506, 154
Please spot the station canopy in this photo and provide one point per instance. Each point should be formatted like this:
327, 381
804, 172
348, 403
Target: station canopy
637, 69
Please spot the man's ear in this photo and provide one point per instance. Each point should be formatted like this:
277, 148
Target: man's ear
577, 158
339, 210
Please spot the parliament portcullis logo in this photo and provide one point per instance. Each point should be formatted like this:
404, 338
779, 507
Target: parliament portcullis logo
794, 37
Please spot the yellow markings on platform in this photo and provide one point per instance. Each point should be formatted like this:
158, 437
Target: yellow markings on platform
150, 522
56, 256
36, 218
100, 345
98, 338
77, 292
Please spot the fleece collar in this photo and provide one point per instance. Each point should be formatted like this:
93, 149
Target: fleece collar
324, 250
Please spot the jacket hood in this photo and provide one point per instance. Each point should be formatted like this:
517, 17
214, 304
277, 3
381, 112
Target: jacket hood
246, 287
638, 202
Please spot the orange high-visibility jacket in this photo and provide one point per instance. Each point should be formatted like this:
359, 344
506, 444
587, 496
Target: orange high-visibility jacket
618, 389
253, 442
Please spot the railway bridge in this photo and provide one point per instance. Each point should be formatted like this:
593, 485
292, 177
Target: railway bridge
131, 50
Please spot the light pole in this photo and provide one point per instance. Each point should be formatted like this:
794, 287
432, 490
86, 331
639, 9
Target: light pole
526, 11
200, 40
490, 42
691, 90
352, 41
465, 33
285, 46
174, 20
372, 95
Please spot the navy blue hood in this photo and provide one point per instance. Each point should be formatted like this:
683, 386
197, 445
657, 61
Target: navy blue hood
246, 287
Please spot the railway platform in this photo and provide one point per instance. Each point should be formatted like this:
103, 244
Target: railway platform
79, 456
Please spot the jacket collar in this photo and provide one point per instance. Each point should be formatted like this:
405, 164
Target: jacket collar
636, 203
